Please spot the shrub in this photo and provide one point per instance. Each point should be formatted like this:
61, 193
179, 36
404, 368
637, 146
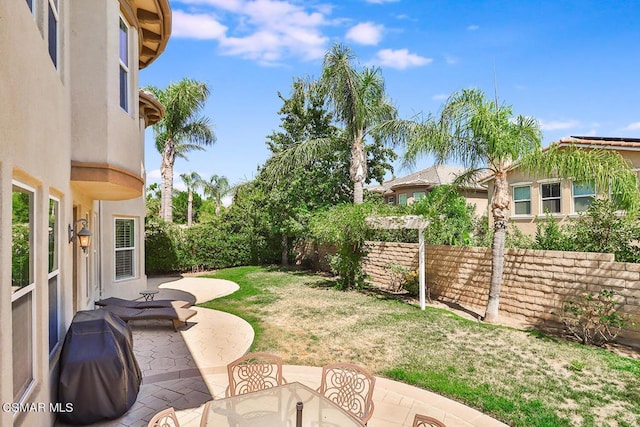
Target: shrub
396, 273
411, 282
344, 227
161, 254
594, 319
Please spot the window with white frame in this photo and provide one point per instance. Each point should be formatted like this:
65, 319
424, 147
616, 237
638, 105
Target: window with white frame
418, 195
22, 287
550, 197
124, 248
402, 199
53, 18
522, 200
54, 274
124, 64
584, 193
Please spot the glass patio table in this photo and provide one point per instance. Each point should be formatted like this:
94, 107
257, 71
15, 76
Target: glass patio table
275, 407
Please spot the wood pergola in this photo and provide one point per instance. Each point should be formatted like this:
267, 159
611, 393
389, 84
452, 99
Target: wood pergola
407, 222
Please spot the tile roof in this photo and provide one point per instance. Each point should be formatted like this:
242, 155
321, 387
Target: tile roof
429, 177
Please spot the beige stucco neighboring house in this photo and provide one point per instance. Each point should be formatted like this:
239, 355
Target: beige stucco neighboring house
72, 123
532, 196
405, 190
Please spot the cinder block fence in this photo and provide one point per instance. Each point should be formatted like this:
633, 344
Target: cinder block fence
536, 284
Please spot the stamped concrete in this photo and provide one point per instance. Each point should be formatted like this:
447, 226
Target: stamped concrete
187, 368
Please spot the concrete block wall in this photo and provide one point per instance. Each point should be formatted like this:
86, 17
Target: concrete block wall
536, 284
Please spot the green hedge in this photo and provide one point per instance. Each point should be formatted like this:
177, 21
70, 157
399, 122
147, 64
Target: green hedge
170, 247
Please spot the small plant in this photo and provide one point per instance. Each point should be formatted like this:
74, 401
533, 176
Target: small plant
411, 282
594, 319
396, 273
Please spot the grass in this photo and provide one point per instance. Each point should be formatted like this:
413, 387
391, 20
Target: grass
521, 378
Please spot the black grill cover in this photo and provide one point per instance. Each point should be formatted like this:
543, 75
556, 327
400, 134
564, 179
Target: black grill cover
99, 373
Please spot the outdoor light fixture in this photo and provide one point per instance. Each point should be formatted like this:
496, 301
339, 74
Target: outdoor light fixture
84, 235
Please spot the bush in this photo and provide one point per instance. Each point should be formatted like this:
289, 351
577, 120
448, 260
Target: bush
594, 319
344, 227
411, 283
161, 254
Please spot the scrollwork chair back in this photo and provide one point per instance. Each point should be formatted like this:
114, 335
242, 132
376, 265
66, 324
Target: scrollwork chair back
425, 421
165, 418
350, 387
253, 372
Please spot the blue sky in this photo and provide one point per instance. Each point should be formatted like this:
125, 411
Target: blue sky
573, 65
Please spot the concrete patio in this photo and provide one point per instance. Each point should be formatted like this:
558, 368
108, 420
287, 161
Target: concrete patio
187, 368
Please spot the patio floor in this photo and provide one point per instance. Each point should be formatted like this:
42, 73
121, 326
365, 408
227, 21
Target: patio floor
187, 368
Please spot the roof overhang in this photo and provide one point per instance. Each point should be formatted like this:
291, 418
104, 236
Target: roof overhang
152, 18
150, 108
103, 181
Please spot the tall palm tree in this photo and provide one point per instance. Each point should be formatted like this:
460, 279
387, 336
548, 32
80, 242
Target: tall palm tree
482, 135
216, 188
192, 181
358, 101
182, 129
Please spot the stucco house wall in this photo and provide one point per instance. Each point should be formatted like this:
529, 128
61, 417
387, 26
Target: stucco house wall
67, 145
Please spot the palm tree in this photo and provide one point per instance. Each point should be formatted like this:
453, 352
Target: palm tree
216, 188
359, 101
482, 135
192, 181
181, 130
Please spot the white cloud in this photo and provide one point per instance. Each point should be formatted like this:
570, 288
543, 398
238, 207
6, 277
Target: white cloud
473, 27
267, 31
196, 26
400, 59
450, 59
440, 97
154, 176
366, 33
633, 126
558, 125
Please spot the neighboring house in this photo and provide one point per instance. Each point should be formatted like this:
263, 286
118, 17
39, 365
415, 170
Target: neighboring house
532, 196
407, 189
72, 126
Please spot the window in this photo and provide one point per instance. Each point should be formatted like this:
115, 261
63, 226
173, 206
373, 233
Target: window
30, 4
54, 273
125, 248
53, 31
551, 197
22, 287
402, 199
391, 200
583, 195
418, 195
522, 200
124, 65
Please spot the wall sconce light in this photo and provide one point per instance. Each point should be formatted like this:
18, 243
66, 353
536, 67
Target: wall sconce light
84, 235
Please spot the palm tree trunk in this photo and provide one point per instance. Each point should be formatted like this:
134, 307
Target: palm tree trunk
500, 212
358, 169
166, 171
189, 207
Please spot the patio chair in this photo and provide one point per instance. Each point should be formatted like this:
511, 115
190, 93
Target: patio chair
120, 302
165, 418
253, 372
425, 421
205, 414
176, 315
350, 387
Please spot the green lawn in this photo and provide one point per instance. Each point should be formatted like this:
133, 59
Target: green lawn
521, 378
